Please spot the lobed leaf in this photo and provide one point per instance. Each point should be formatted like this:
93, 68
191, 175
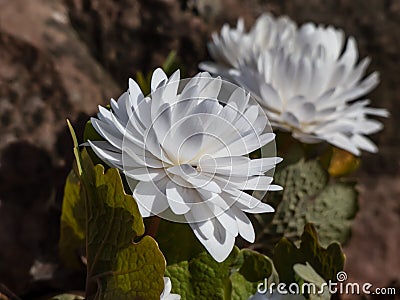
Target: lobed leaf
72, 227
170, 236
202, 277
309, 196
121, 264
326, 262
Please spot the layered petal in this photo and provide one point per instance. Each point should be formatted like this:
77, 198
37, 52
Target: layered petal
184, 152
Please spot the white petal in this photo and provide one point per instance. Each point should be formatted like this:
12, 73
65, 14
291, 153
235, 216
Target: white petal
220, 244
364, 143
325, 100
270, 97
290, 119
225, 217
108, 132
177, 198
381, 112
167, 288
150, 197
343, 142
145, 174
274, 187
201, 214
260, 208
166, 294
245, 145
119, 107
241, 199
184, 140
112, 158
211, 88
258, 183
197, 179
157, 78
306, 112
135, 93
144, 158
369, 126
245, 227
240, 98
364, 87
171, 88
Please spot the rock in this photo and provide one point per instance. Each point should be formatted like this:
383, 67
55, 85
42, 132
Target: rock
46, 73
46, 76
33, 100
130, 36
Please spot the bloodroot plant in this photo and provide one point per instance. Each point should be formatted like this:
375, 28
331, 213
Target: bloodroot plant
186, 193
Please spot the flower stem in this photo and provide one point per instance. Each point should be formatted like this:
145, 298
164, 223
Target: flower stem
152, 226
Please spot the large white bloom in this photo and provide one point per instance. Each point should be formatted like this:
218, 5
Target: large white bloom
188, 152
309, 83
166, 294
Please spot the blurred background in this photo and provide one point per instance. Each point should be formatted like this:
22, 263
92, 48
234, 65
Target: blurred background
60, 59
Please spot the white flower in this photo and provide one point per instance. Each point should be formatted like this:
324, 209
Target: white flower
166, 294
188, 153
309, 84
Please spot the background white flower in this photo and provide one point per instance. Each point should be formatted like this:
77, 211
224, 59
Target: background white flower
309, 83
188, 152
166, 294
234, 46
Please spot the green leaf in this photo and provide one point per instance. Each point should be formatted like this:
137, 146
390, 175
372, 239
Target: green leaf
326, 262
333, 211
307, 273
180, 279
210, 279
120, 264
72, 231
78, 159
90, 133
171, 234
202, 277
122, 269
308, 197
285, 257
289, 148
255, 266
171, 63
253, 269
144, 82
241, 288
